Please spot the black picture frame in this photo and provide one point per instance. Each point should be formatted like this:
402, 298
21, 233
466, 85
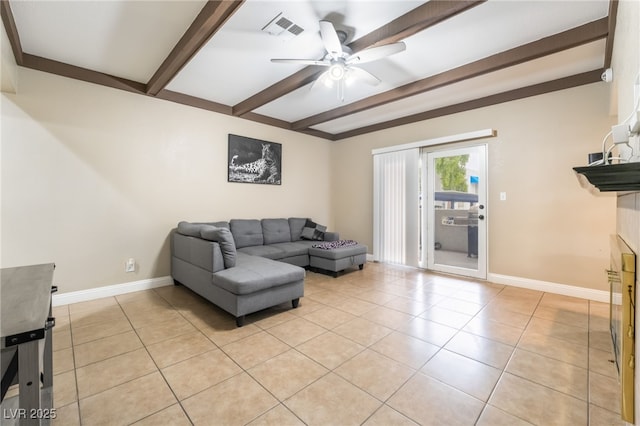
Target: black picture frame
252, 160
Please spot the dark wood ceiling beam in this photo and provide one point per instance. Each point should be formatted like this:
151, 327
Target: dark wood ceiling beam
192, 101
318, 134
512, 95
566, 40
413, 22
210, 19
12, 31
410, 23
78, 73
613, 16
281, 88
259, 118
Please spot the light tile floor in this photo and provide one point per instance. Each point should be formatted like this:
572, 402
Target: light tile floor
381, 346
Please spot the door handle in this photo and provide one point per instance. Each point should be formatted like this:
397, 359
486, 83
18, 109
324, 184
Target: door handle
481, 206
481, 217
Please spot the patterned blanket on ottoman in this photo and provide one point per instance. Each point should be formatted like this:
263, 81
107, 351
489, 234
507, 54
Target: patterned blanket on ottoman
330, 245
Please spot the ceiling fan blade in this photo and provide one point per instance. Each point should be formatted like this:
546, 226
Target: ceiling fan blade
302, 62
365, 76
320, 80
375, 53
330, 39
341, 90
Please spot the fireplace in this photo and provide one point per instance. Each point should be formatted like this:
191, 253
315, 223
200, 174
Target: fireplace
621, 277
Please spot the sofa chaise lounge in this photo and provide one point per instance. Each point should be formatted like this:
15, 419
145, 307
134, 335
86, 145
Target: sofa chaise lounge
245, 265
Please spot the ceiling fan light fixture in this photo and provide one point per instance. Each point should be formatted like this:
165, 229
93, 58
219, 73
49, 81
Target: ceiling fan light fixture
350, 79
337, 72
340, 59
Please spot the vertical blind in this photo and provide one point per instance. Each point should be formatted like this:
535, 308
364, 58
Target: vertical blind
396, 199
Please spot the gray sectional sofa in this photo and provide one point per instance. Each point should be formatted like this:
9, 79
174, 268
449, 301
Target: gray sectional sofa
243, 265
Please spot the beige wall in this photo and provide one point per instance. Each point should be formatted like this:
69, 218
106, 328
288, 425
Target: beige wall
549, 228
92, 176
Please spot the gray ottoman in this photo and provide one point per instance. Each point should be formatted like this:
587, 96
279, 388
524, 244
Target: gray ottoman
338, 259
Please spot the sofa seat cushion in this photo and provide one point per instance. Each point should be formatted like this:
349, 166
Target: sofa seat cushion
270, 252
292, 249
252, 274
307, 244
279, 250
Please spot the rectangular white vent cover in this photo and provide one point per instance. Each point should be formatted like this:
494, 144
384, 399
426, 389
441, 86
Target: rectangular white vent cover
281, 26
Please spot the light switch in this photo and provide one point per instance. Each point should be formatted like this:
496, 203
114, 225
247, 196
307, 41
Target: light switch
503, 196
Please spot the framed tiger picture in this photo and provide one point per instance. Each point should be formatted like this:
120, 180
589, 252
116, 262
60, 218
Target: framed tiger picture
254, 161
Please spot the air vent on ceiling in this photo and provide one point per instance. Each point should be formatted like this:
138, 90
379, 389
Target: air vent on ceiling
283, 27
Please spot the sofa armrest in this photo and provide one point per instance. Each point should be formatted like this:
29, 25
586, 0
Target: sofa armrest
331, 236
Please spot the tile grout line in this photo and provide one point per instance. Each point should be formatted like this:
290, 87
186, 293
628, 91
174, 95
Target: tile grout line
504, 369
75, 375
162, 373
144, 375
158, 367
326, 329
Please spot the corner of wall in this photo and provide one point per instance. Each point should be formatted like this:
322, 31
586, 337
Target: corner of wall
8, 67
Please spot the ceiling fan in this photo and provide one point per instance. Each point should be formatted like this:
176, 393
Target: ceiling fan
341, 61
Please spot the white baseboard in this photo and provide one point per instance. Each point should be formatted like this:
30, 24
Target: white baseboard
550, 287
109, 291
130, 287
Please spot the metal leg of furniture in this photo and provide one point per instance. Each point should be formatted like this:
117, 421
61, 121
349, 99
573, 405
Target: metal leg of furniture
29, 383
47, 365
46, 394
10, 370
26, 301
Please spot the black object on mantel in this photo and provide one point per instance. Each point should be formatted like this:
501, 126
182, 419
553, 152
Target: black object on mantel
613, 177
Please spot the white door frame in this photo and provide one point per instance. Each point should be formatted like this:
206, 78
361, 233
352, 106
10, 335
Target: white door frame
428, 211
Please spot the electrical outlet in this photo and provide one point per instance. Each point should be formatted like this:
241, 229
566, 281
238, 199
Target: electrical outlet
503, 196
130, 266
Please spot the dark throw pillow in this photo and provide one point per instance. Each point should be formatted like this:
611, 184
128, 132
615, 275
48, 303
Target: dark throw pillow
313, 231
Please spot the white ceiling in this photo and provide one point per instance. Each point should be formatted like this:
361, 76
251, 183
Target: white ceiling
127, 39
131, 39
242, 52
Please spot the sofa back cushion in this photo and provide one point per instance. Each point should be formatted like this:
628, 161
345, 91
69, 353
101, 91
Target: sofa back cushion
190, 229
276, 231
246, 232
217, 224
296, 224
190, 249
223, 237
